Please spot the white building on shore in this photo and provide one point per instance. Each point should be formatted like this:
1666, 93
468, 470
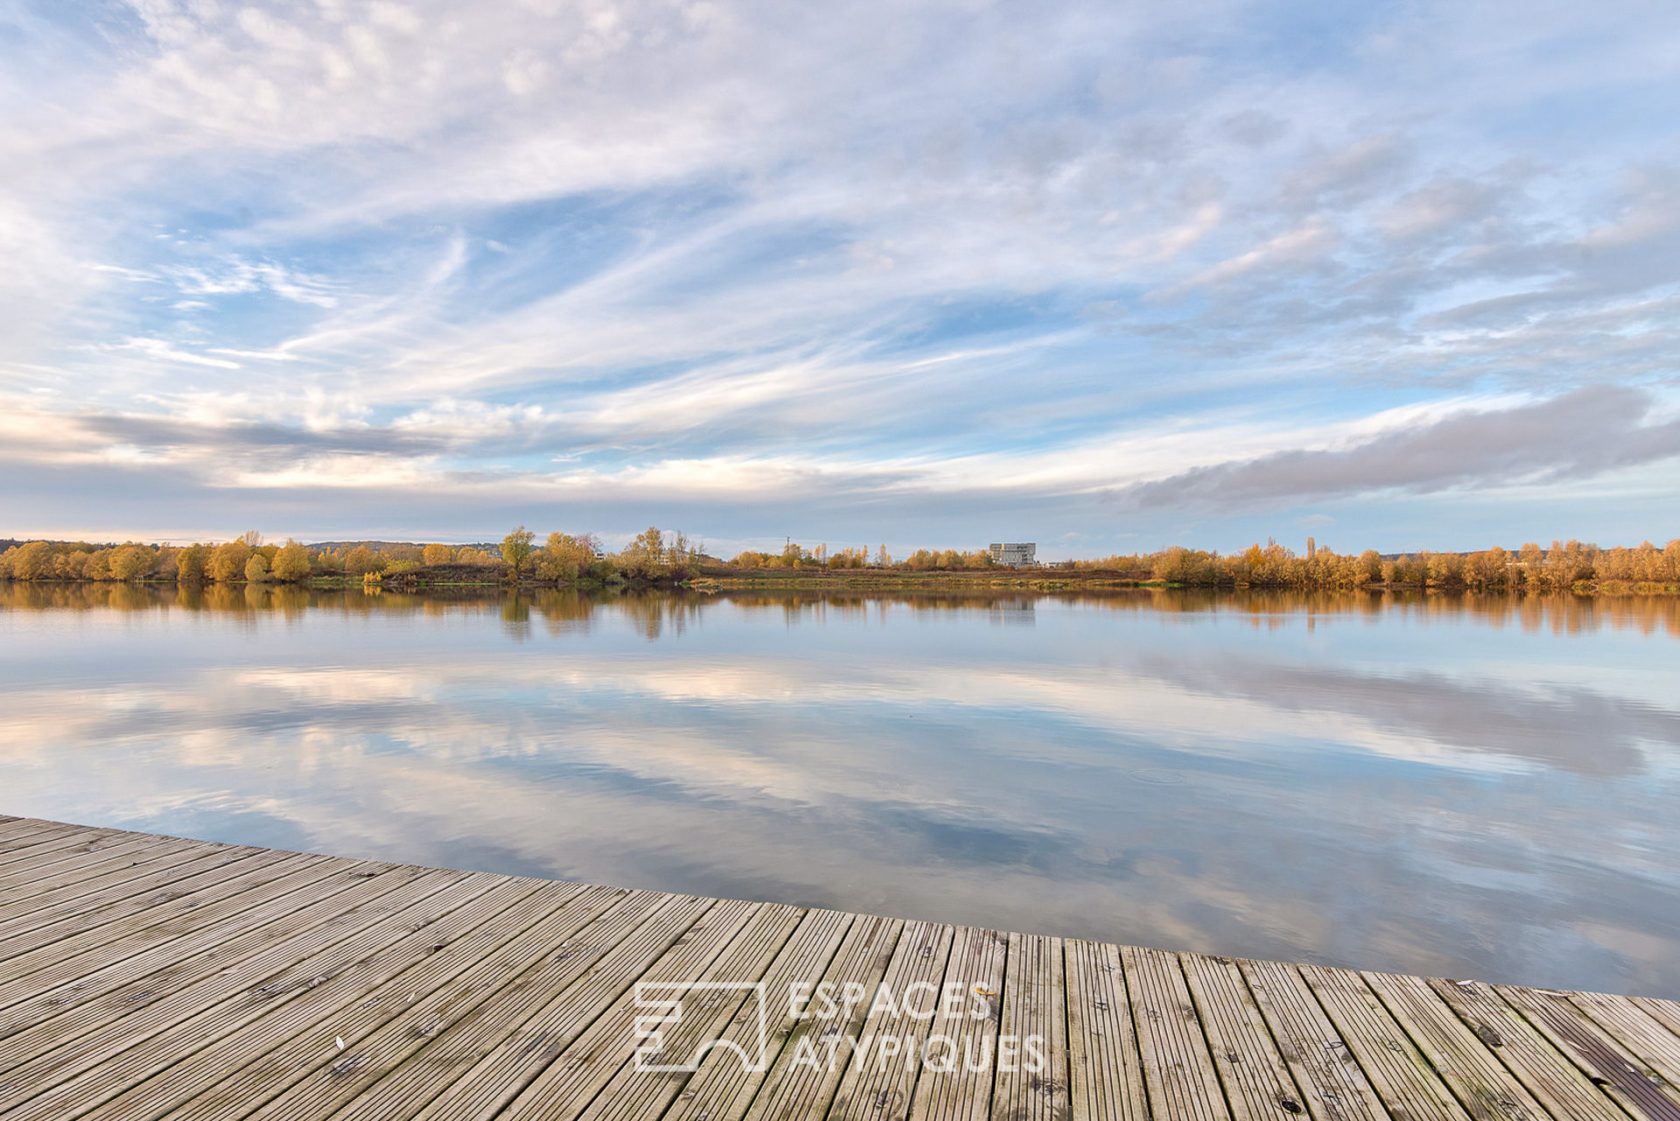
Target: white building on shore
1014, 554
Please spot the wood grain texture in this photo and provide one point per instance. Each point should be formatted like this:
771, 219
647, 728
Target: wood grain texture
149, 978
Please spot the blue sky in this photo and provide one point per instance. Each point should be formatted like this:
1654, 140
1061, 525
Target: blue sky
1104, 276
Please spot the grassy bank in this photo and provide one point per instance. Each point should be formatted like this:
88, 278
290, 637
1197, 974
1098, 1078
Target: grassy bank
1069, 578
447, 578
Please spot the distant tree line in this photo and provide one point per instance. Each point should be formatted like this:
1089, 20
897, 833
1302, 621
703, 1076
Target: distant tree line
796, 556
655, 556
1566, 565
563, 558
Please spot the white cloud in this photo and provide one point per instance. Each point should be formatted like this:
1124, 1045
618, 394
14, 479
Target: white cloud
162, 351
1304, 246
237, 277
1061, 244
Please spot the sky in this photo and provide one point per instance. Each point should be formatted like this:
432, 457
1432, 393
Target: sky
1104, 276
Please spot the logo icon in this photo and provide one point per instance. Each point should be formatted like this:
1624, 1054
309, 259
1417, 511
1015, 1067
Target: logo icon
670, 1031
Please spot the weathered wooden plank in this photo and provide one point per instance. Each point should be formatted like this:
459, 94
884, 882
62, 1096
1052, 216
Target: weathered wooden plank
815, 1048
77, 956
146, 977
385, 1029
20, 847
1464, 1060
961, 1055
1105, 1067
74, 873
725, 1082
25, 822
634, 1093
22, 865
136, 890
1406, 1083
67, 1080
73, 866
72, 838
1548, 1073
1177, 1066
588, 1064
1035, 1086
1595, 1051
879, 1082
44, 962
20, 836
482, 1089
19, 831
476, 944
192, 949
143, 902
1258, 1085
1657, 1048
1665, 1012
390, 1087
1324, 1068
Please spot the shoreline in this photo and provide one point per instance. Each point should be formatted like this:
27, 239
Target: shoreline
709, 580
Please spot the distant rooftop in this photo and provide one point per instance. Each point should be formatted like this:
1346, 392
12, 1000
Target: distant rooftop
1015, 554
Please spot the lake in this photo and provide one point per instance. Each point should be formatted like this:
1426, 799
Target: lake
1455, 786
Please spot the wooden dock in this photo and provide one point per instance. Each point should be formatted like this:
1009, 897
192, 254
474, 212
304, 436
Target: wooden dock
152, 977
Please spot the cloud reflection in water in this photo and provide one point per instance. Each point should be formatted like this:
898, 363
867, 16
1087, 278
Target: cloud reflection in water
1452, 787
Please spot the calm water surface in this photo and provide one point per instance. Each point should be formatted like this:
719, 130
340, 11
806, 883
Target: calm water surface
1465, 787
